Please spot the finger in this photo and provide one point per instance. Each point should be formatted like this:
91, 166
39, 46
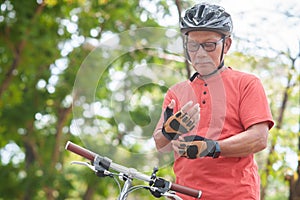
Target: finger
195, 115
180, 139
196, 118
195, 110
172, 104
187, 106
185, 118
182, 153
180, 147
175, 147
179, 144
190, 122
175, 143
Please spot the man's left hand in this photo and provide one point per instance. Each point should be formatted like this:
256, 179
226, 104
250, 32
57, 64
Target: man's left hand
193, 147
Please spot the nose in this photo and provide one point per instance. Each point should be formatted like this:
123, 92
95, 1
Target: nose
201, 52
201, 48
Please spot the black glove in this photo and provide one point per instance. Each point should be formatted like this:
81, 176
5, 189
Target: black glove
176, 124
195, 146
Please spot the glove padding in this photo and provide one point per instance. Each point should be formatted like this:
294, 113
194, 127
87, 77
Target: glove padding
176, 124
195, 146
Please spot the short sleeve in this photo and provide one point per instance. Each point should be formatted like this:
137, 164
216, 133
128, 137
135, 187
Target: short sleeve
254, 107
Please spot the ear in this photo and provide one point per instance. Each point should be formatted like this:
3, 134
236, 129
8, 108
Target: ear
227, 44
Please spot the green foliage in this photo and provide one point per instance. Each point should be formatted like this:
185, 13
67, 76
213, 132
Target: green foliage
275, 162
43, 48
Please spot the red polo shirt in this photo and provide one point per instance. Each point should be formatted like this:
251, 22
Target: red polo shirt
230, 102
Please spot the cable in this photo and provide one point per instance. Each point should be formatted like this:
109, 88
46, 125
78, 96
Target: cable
137, 187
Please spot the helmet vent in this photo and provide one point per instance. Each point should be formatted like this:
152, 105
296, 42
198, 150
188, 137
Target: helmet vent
205, 16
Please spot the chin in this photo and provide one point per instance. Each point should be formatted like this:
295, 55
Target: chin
204, 68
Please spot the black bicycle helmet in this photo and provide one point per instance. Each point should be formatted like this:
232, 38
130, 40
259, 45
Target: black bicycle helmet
206, 17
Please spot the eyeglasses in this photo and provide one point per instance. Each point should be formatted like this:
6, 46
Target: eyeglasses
207, 46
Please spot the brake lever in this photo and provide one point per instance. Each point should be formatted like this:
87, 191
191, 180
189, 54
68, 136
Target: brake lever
84, 164
171, 195
101, 173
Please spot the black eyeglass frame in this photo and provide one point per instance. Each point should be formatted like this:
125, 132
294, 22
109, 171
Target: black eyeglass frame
207, 46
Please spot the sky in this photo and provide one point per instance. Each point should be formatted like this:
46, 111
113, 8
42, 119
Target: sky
272, 26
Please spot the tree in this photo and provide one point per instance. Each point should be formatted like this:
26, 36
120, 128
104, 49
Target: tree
275, 58
44, 46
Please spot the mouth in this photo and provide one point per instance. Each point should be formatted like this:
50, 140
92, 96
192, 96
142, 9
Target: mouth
204, 64
203, 61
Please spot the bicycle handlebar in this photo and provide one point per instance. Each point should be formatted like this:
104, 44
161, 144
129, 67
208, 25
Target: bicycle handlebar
131, 171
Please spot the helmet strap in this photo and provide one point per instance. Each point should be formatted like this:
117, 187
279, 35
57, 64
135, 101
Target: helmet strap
223, 45
197, 74
213, 72
185, 48
221, 61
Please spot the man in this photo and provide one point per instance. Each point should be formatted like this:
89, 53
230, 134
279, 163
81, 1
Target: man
218, 119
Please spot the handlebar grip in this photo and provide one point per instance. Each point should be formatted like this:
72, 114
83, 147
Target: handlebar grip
80, 151
186, 190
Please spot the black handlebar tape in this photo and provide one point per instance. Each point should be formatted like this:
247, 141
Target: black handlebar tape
80, 151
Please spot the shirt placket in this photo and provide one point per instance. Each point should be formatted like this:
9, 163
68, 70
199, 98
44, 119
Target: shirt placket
204, 95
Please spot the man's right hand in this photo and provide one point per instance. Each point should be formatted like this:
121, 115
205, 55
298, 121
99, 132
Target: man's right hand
181, 122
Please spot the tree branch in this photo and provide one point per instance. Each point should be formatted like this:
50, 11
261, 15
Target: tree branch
279, 121
17, 52
187, 64
63, 115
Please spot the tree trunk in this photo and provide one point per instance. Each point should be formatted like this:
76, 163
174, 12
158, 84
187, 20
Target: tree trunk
279, 122
63, 115
294, 180
89, 193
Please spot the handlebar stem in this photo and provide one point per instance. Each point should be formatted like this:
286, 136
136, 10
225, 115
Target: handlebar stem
126, 187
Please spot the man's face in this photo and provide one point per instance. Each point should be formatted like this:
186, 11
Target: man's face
206, 61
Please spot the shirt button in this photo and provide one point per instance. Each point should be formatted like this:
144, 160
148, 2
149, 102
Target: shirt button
205, 84
204, 92
203, 101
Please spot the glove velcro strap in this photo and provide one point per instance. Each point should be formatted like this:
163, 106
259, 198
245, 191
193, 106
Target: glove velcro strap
191, 138
210, 150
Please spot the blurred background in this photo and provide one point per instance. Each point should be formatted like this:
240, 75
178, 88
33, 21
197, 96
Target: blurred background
88, 71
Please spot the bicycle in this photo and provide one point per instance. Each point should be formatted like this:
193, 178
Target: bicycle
157, 186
